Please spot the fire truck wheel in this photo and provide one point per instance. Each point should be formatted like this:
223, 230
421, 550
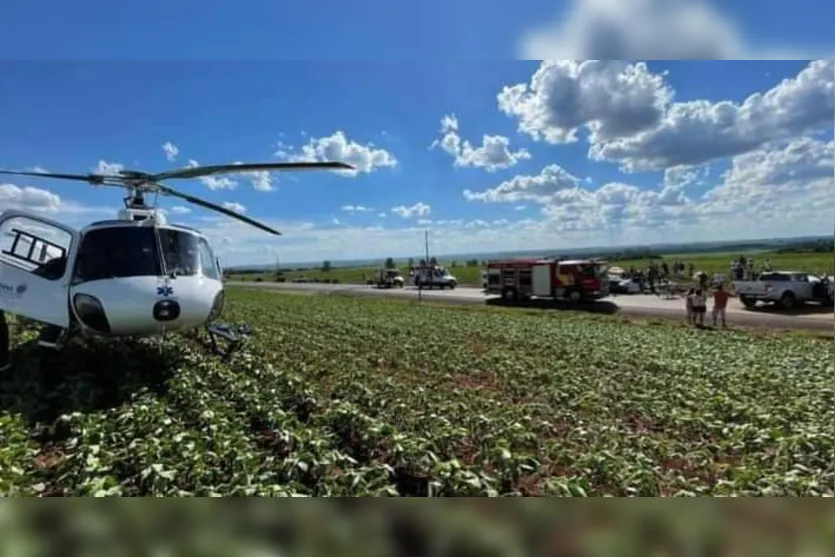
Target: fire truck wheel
509, 294
574, 296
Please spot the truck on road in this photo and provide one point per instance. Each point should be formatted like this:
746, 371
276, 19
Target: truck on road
433, 276
571, 280
788, 289
388, 278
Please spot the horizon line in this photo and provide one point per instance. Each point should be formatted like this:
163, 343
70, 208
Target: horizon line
257, 266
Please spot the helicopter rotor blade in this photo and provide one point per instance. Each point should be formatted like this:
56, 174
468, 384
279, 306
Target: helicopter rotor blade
198, 171
165, 190
95, 179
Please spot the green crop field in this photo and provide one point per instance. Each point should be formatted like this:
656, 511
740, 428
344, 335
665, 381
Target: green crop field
341, 396
820, 263
471, 276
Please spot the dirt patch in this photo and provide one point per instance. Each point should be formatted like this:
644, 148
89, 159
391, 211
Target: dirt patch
478, 381
48, 458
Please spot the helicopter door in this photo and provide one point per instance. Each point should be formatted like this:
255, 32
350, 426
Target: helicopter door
33, 267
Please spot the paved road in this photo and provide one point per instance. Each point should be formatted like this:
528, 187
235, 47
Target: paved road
812, 318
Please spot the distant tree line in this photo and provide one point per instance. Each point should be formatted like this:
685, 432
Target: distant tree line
390, 263
814, 246
627, 255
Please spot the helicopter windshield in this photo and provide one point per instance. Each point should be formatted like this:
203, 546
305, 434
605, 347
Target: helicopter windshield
119, 252
187, 254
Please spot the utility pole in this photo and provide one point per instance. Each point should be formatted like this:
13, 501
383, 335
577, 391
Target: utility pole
426, 264
426, 244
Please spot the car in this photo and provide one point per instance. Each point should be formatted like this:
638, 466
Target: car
625, 286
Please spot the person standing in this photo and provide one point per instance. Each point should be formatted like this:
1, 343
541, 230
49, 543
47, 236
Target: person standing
689, 305
720, 305
699, 307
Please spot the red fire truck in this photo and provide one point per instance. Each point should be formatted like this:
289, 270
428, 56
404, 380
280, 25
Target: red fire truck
574, 280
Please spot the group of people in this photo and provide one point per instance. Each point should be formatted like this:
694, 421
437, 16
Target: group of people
659, 274
743, 268
696, 304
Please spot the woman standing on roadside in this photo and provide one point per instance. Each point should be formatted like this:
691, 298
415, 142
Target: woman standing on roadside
699, 307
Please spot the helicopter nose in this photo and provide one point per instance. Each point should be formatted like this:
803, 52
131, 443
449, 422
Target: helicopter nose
166, 310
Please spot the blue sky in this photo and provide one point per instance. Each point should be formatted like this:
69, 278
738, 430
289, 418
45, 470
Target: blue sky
611, 153
328, 29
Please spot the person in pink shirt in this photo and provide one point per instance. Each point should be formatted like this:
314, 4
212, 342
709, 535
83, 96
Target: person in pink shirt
720, 305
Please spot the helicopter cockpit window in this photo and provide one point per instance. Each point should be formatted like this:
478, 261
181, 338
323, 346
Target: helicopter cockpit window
208, 261
179, 252
117, 252
187, 254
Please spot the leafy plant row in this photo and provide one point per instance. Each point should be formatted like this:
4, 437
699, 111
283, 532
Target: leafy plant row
348, 397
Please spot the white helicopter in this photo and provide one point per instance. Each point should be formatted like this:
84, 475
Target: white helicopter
136, 276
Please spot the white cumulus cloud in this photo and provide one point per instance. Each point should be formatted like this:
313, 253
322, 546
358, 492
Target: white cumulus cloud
419, 209
171, 151
108, 168
632, 120
233, 206
356, 209
493, 154
609, 97
337, 147
695, 132
217, 182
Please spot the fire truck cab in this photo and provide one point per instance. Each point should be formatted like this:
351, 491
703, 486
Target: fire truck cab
572, 280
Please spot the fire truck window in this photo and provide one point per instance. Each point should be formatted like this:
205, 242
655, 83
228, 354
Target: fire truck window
589, 270
525, 278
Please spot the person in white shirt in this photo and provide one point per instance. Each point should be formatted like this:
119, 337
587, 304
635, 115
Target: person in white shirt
689, 305
699, 307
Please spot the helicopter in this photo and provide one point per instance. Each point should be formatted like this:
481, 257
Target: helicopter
138, 275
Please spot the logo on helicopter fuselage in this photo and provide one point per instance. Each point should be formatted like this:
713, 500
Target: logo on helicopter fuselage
9, 290
165, 291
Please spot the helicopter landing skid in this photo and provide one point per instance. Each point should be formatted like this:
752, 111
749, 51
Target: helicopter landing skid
53, 337
232, 335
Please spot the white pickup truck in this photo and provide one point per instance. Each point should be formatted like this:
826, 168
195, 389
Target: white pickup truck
786, 288
433, 277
